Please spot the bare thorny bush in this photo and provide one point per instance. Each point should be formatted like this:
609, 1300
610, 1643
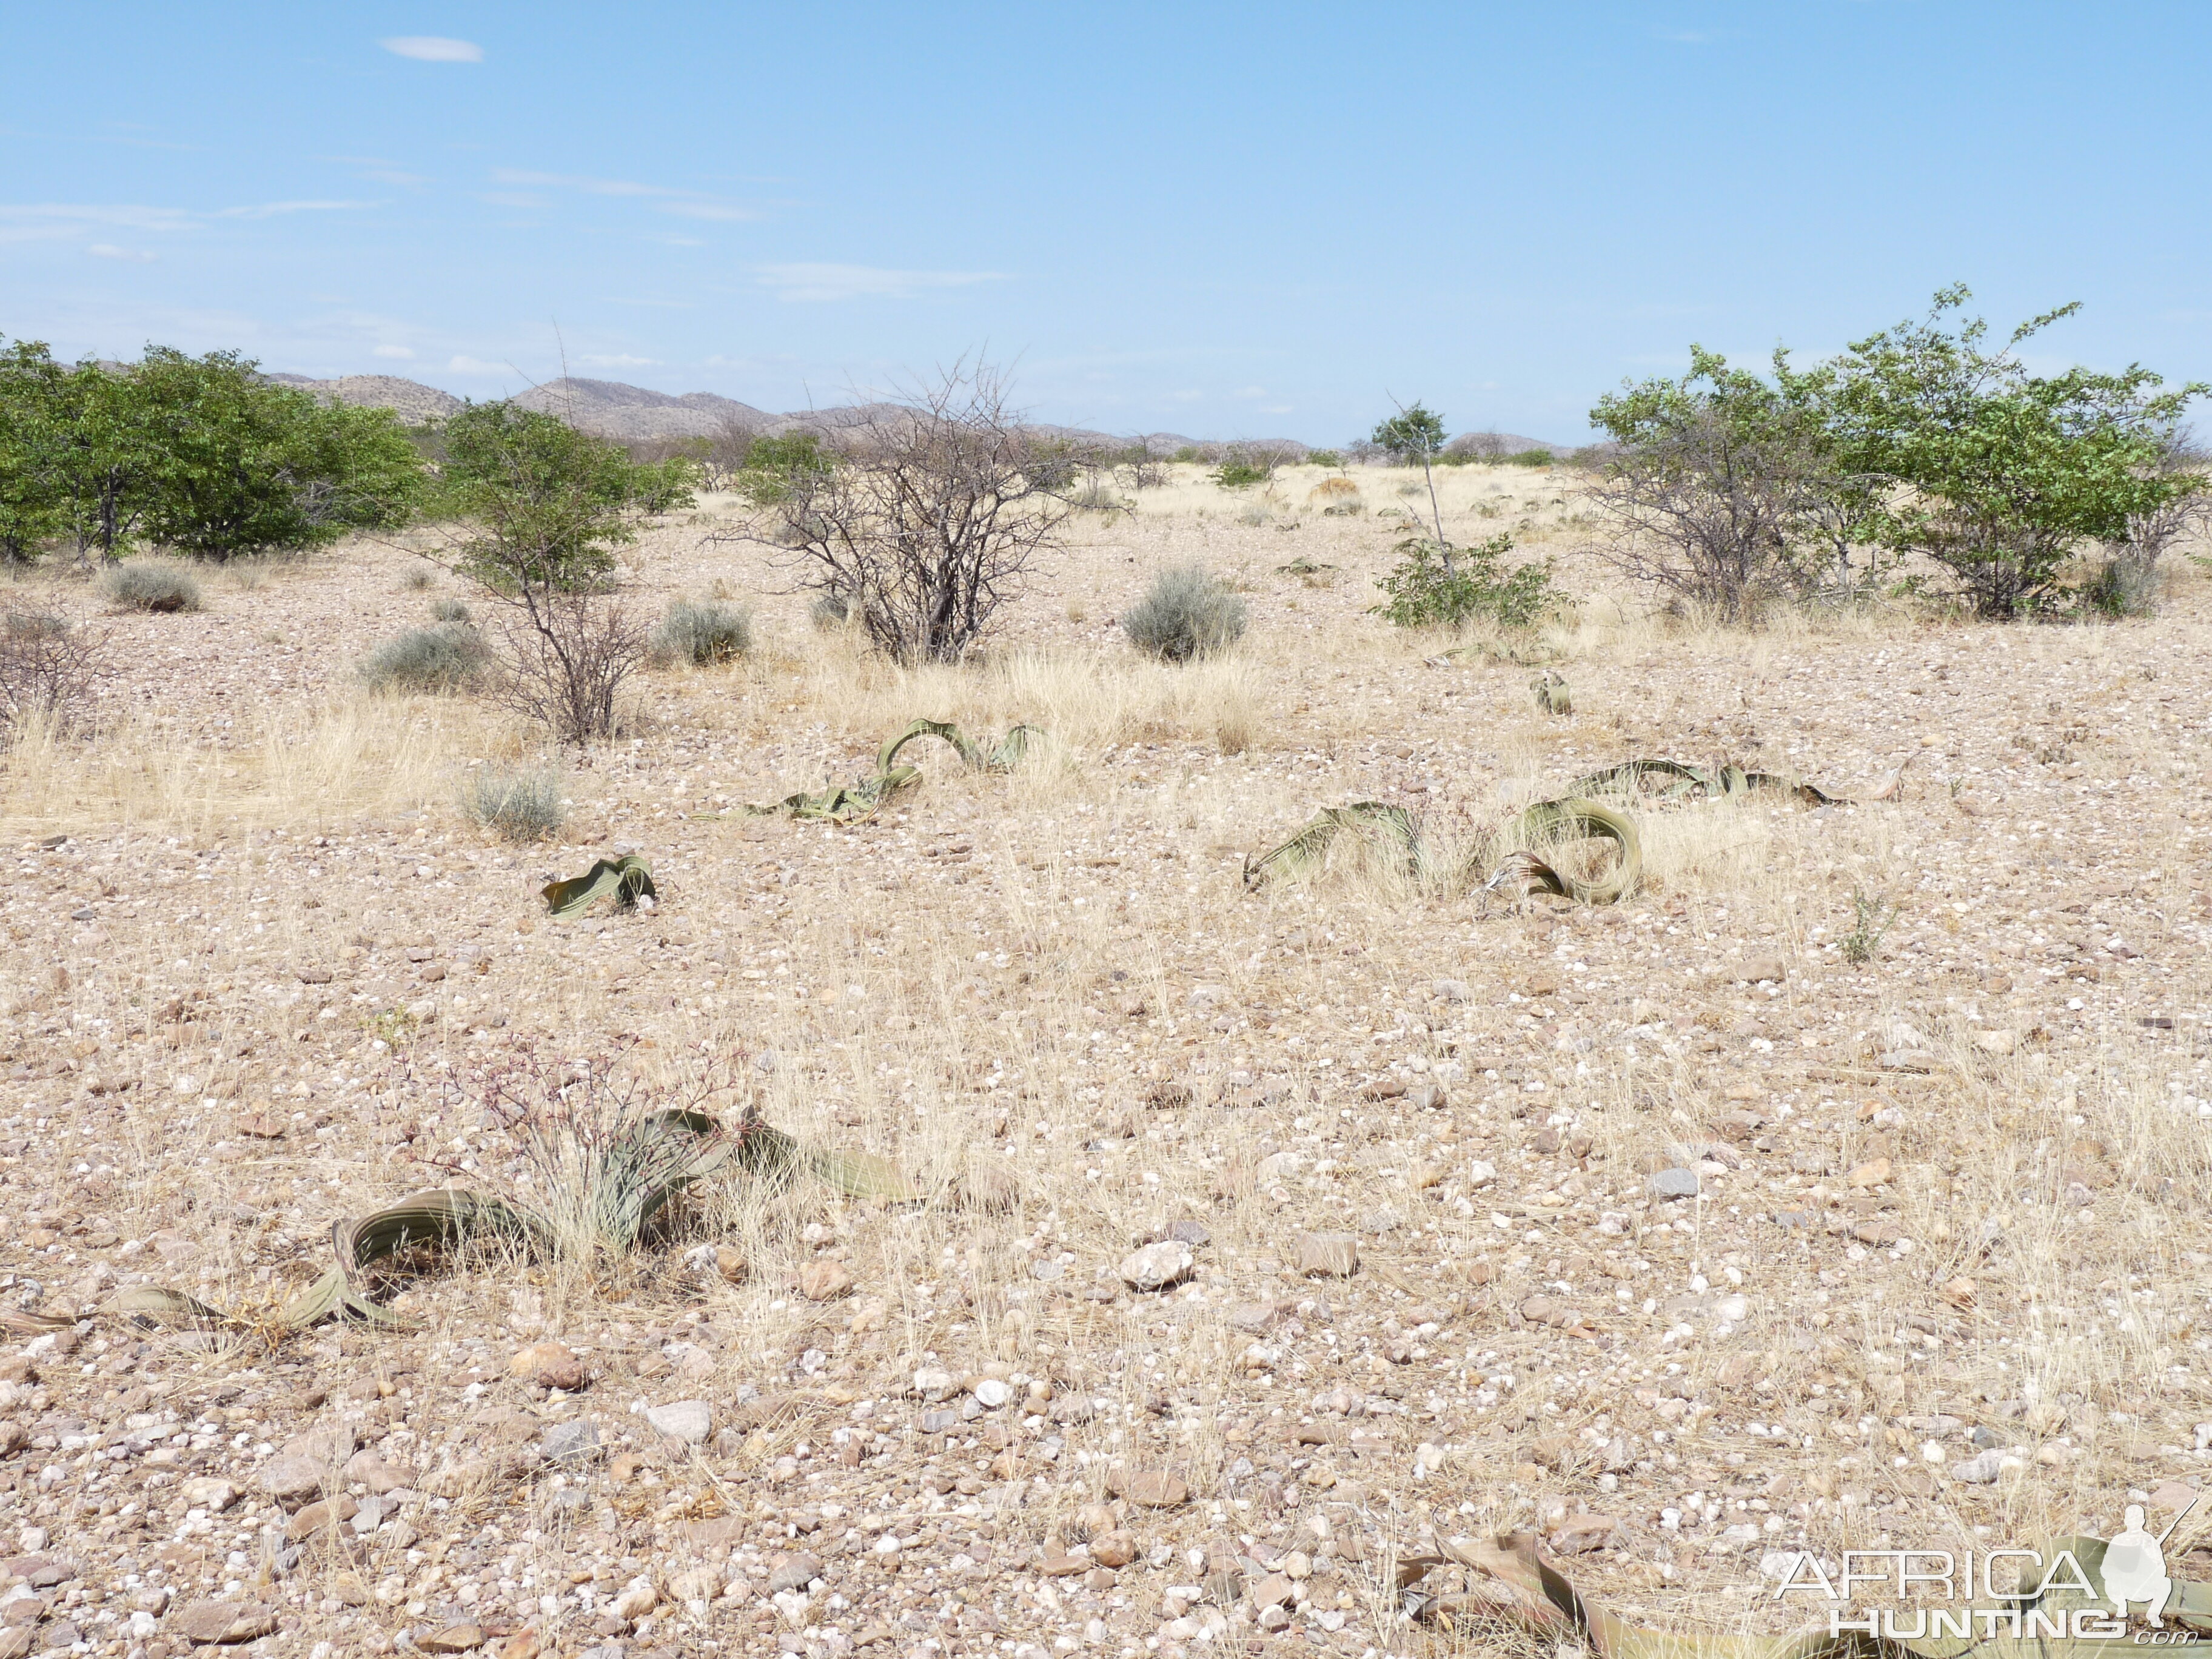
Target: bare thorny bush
568, 657
929, 516
1729, 519
48, 666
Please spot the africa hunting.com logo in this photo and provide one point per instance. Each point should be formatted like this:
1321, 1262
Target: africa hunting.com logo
2074, 1588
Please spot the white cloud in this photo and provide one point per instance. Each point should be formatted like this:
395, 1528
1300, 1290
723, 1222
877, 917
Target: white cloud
465, 365
832, 282
109, 251
51, 222
616, 359
271, 210
433, 49
572, 181
400, 351
721, 211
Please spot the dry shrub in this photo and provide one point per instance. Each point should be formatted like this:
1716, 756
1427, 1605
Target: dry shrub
702, 635
154, 587
451, 657
568, 656
520, 804
1188, 613
48, 666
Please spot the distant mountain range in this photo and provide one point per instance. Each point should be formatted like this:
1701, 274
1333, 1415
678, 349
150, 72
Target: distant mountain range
631, 414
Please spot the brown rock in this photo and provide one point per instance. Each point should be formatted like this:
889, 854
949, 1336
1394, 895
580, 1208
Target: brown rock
454, 1638
366, 1469
1873, 1172
1755, 968
523, 1644
1114, 1549
221, 1621
1580, 1533
1327, 1255
1275, 1591
317, 1517
261, 1126
548, 1365
293, 1480
17, 1641
1063, 1566
824, 1281
205, 1492
730, 1262
1152, 1489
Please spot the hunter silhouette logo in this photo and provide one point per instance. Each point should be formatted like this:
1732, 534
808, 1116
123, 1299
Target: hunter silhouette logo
2135, 1566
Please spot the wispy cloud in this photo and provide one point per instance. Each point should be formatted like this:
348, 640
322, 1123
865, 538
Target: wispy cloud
723, 211
272, 209
461, 363
511, 198
666, 198
49, 221
574, 181
392, 176
616, 359
109, 251
433, 49
833, 282
398, 351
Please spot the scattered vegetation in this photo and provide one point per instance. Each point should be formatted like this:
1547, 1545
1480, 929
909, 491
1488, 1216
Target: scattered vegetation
1241, 475
451, 657
829, 611
1919, 442
1434, 584
702, 635
156, 587
1188, 613
450, 610
519, 804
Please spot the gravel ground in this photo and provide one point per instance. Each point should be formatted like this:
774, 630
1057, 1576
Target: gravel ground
1840, 1188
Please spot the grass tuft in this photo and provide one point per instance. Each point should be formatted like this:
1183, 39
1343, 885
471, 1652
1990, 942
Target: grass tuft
520, 803
1188, 613
702, 635
451, 657
151, 587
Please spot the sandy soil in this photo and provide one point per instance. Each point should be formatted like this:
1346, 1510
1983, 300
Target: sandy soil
1936, 1276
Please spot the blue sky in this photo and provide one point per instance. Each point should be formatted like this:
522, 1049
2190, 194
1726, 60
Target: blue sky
1221, 220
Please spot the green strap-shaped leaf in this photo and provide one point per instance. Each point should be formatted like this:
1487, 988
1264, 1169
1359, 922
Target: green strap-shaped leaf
1303, 852
1572, 818
625, 880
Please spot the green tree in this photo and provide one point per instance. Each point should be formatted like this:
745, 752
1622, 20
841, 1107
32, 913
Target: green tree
774, 466
2000, 473
1418, 435
33, 511
548, 504
237, 465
